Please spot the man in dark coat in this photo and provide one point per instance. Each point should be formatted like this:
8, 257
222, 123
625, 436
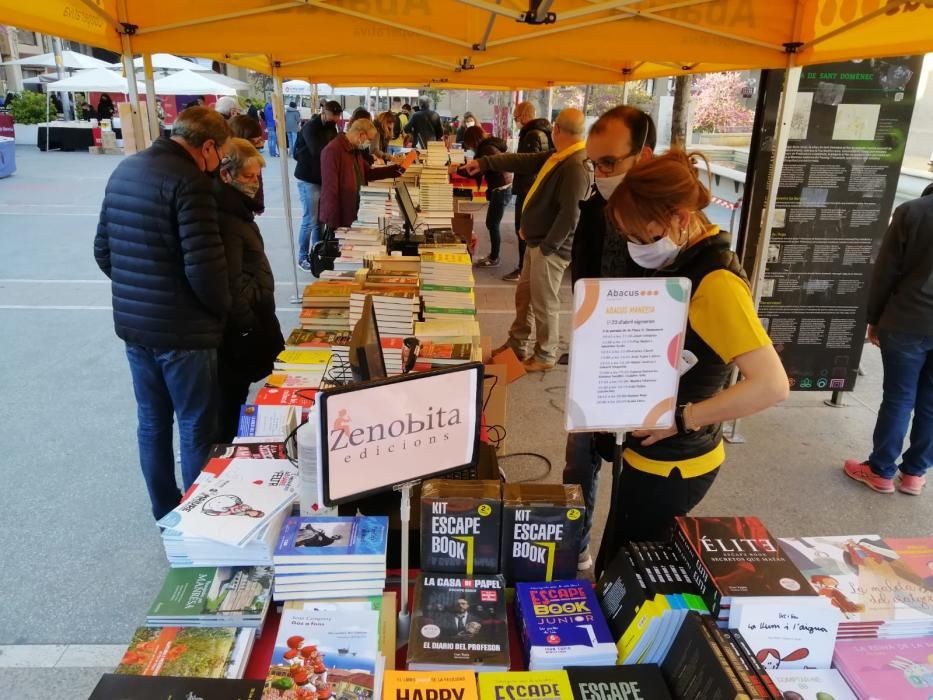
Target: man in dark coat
534, 137
314, 136
159, 243
425, 125
344, 169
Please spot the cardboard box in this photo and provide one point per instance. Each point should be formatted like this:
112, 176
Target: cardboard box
463, 227
495, 400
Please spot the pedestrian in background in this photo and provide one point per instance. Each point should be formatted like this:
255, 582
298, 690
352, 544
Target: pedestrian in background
268, 116
498, 187
292, 126
900, 322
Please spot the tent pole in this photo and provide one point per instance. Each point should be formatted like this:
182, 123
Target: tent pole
278, 104
129, 71
550, 102
48, 117
155, 128
781, 137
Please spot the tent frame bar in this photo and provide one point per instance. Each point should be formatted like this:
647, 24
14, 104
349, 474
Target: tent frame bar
848, 27
621, 15
111, 20
278, 110
155, 126
221, 18
309, 59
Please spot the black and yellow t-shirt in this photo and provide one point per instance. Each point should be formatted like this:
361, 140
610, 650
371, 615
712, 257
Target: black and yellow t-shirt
722, 314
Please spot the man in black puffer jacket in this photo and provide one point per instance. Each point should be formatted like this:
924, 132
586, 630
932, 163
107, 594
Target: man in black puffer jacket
159, 243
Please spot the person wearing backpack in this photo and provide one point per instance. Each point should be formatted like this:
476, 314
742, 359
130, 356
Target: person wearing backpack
317, 132
534, 137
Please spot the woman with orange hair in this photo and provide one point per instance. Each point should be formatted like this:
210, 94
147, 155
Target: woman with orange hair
658, 210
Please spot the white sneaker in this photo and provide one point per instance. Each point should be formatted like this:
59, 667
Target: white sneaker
584, 561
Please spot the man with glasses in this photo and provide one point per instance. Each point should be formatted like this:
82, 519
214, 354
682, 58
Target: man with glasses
159, 243
549, 217
618, 140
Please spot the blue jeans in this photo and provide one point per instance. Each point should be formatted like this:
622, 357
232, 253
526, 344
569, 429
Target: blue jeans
908, 386
167, 382
582, 467
271, 142
310, 231
498, 201
290, 138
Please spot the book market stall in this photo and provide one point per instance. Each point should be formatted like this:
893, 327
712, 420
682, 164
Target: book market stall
356, 540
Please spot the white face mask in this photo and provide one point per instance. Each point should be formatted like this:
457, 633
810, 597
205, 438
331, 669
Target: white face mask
607, 185
654, 256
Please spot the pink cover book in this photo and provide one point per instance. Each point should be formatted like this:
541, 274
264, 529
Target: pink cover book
886, 669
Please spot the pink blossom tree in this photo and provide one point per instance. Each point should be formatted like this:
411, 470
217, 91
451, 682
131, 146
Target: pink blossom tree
717, 104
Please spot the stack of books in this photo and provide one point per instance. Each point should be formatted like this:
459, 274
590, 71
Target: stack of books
447, 286
738, 565
273, 422
216, 652
441, 328
310, 363
436, 194
228, 596
375, 205
332, 649
562, 625
325, 306
330, 557
459, 623
356, 244
396, 309
450, 350
388, 265
645, 594
882, 588
887, 668
706, 661
226, 522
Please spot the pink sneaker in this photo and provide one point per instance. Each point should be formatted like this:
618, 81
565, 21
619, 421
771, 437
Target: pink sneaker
907, 483
860, 471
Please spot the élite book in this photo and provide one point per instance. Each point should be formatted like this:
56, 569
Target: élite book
541, 529
459, 622
736, 557
460, 526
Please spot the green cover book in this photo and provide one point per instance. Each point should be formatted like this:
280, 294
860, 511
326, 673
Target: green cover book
219, 593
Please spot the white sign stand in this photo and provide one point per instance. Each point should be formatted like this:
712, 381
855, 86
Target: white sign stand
404, 617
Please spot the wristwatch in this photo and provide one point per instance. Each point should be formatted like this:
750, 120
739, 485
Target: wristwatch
680, 421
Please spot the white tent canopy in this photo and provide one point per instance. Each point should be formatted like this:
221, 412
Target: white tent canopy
226, 80
186, 82
393, 92
71, 60
92, 80
303, 87
168, 61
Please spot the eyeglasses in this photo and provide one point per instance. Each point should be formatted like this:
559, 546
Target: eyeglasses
607, 164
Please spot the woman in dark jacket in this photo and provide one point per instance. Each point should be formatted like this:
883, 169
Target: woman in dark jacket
243, 127
534, 136
498, 187
105, 108
252, 336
